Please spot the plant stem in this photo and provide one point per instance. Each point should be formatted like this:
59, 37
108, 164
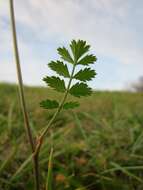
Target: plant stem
22, 96
43, 134
41, 137
19, 74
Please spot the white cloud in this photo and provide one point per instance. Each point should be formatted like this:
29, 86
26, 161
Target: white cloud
105, 24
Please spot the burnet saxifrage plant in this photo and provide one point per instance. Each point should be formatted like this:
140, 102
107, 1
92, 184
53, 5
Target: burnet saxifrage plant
77, 57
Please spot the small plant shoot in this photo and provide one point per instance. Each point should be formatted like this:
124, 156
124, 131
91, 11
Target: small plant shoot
78, 57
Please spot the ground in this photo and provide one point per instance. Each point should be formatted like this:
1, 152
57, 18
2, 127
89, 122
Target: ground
96, 147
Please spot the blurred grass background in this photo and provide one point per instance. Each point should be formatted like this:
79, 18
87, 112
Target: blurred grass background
95, 147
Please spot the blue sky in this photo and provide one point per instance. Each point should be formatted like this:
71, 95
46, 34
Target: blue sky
114, 29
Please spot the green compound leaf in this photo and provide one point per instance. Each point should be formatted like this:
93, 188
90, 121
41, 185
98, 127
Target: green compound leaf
85, 75
60, 68
65, 55
88, 59
80, 89
79, 48
56, 83
49, 104
70, 105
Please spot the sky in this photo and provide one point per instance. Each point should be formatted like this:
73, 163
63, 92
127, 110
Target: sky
113, 28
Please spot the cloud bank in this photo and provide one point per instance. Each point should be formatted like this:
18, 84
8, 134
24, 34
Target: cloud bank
113, 28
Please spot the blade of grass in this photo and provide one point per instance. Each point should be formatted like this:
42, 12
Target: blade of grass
78, 123
6, 162
137, 144
125, 171
10, 114
49, 175
2, 180
21, 168
125, 167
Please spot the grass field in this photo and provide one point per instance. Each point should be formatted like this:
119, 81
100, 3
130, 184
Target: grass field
98, 146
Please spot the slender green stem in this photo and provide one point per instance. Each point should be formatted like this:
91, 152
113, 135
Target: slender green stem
41, 137
22, 96
43, 134
61, 104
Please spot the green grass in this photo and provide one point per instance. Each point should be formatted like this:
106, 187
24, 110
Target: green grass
99, 146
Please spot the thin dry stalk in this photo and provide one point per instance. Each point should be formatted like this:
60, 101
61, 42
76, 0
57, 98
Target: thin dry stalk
22, 96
